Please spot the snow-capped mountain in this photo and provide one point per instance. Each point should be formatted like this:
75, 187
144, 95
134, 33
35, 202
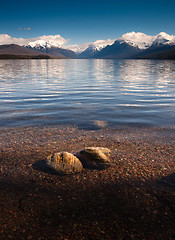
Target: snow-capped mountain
127, 46
164, 39
98, 44
89, 52
144, 41
119, 49
86, 50
140, 40
51, 47
46, 41
132, 45
163, 47
95, 47
43, 44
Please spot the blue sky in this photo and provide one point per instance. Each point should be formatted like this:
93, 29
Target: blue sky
85, 21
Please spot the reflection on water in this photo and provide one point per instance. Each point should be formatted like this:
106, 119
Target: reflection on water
81, 92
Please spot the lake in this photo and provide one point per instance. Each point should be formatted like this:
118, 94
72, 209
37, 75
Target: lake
84, 92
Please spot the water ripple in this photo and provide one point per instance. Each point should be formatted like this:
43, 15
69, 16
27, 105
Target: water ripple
81, 91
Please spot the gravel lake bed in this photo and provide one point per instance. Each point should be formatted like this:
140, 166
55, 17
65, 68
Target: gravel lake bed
132, 199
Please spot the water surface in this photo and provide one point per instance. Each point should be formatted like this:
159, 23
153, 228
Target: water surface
81, 92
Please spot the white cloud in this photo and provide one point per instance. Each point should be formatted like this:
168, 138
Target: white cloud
52, 39
6, 39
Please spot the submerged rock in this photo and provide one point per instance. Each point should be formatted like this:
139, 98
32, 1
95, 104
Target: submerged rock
100, 124
95, 157
64, 163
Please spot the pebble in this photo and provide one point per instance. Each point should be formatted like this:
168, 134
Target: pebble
10, 236
30, 237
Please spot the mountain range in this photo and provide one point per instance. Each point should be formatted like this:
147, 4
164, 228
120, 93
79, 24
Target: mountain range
51, 49
129, 46
140, 46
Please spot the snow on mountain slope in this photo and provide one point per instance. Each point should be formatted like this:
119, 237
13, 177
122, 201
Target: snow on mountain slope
164, 39
47, 41
138, 39
97, 45
89, 52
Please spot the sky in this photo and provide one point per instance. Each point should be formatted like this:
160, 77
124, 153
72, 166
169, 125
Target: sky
86, 21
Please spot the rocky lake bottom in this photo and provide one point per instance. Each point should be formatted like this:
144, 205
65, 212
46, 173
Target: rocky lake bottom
132, 199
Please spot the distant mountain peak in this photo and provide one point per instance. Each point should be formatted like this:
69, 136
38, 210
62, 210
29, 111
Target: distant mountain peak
137, 39
43, 43
164, 39
164, 35
92, 46
90, 51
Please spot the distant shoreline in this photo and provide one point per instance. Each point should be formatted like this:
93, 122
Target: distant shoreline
19, 57
8, 56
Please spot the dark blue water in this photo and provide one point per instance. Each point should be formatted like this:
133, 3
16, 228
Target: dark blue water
85, 92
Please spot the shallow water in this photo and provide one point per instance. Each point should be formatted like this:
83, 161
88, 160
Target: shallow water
85, 92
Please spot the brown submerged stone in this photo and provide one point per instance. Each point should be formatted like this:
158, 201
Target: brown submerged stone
95, 157
64, 163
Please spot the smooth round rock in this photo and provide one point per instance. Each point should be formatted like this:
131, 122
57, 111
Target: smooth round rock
95, 157
64, 163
